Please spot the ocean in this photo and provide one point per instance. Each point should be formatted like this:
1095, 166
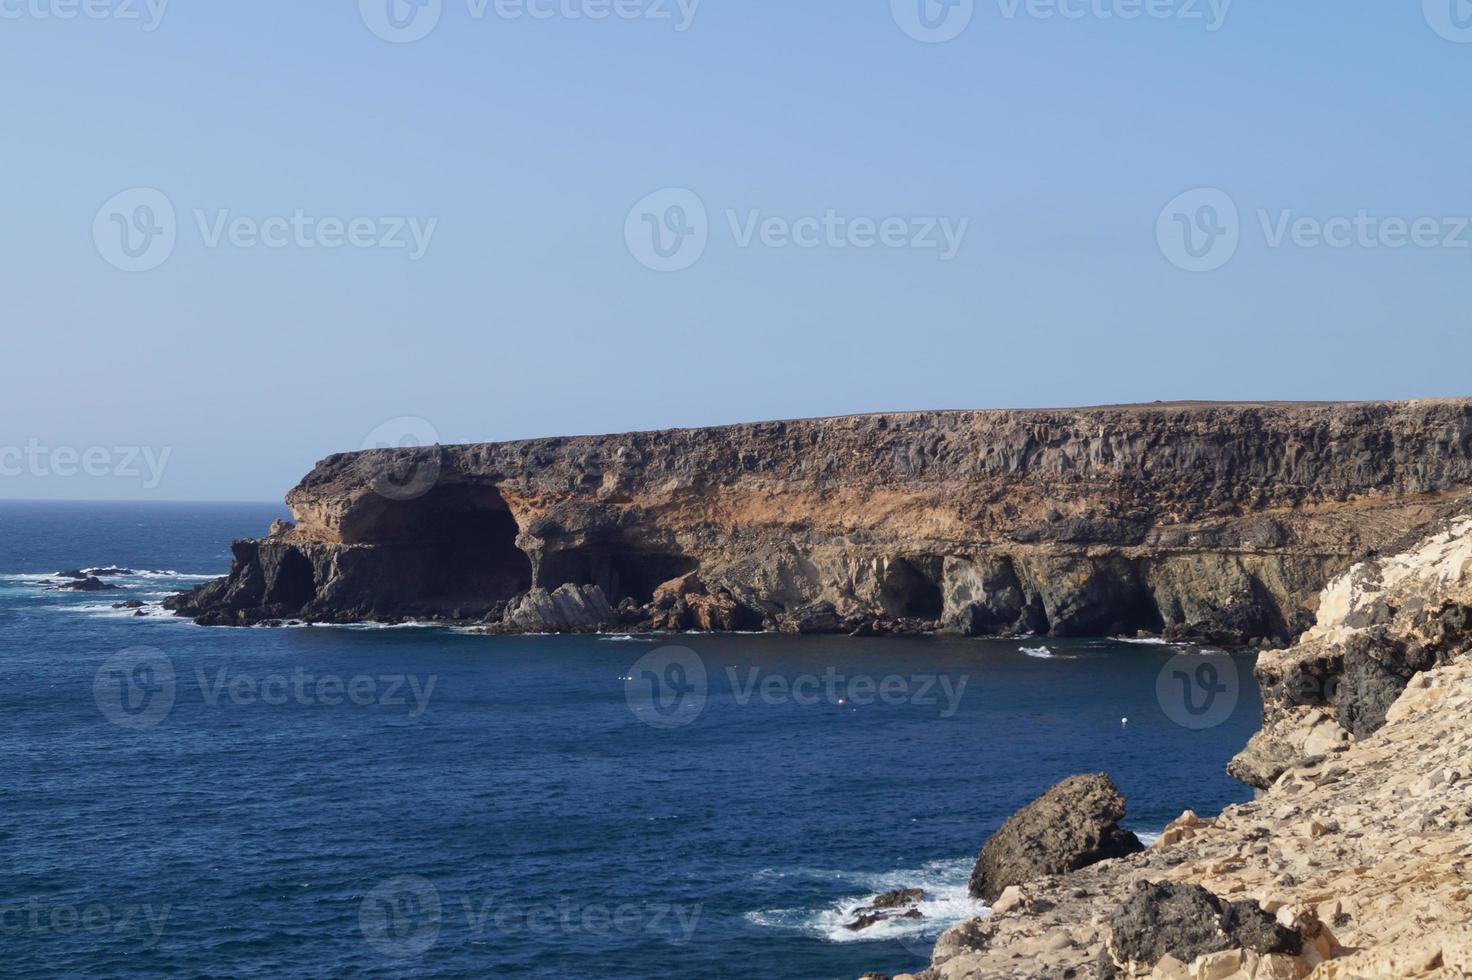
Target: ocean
421, 801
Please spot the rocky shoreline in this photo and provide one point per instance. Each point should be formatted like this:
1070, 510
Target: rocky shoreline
1335, 536
1355, 860
1202, 522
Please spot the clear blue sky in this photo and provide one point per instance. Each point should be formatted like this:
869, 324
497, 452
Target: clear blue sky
527, 141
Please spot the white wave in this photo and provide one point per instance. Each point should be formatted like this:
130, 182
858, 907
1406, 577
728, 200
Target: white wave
946, 903
1147, 838
625, 638
1042, 653
1149, 641
413, 624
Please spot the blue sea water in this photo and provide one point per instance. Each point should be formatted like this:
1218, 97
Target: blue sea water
419, 801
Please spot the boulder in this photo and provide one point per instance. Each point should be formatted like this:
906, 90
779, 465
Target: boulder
129, 604
569, 609
1186, 921
1071, 826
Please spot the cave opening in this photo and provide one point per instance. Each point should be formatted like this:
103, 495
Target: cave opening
911, 589
455, 549
621, 573
295, 583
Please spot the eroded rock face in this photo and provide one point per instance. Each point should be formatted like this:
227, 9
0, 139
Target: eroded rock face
1380, 624
1071, 826
1353, 861
1212, 522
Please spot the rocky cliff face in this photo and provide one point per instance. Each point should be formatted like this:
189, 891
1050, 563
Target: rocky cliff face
1217, 522
1355, 862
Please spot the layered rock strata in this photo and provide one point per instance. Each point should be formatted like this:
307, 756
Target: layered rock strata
1354, 862
1214, 522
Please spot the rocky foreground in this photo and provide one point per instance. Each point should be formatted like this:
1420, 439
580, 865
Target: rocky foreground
1218, 523
1356, 859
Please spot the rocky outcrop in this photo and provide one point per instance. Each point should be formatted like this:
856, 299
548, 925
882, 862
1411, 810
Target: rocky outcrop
1214, 522
90, 583
569, 609
1071, 826
1381, 623
1354, 862
897, 904
1187, 922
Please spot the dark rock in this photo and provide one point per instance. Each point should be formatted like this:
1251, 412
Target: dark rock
899, 898
1187, 921
887, 906
89, 584
1071, 826
73, 573
109, 571
129, 604
865, 921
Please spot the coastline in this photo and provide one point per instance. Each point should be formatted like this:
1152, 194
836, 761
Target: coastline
1358, 845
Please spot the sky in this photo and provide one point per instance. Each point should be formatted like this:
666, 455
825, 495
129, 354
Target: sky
242, 236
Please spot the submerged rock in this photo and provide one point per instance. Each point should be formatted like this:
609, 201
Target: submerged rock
897, 904
89, 584
1071, 826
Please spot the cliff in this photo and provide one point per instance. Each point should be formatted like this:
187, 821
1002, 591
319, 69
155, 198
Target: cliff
1205, 521
1359, 851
